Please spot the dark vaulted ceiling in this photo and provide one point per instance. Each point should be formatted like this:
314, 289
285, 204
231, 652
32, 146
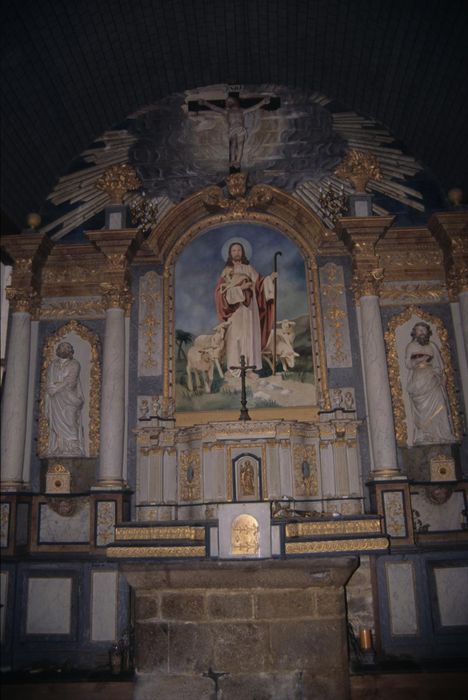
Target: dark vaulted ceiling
73, 68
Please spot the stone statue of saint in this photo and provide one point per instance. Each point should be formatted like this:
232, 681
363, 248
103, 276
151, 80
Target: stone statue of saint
426, 389
64, 401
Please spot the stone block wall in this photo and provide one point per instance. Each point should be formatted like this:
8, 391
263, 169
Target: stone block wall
230, 630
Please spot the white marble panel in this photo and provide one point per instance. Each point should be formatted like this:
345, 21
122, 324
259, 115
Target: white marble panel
227, 514
143, 467
3, 602
440, 517
354, 472
327, 470
155, 477
170, 476
60, 528
49, 605
104, 606
341, 469
214, 473
394, 510
275, 540
105, 522
286, 470
214, 548
273, 470
452, 595
401, 598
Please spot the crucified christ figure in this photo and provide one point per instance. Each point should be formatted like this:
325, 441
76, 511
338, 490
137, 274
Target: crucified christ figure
237, 133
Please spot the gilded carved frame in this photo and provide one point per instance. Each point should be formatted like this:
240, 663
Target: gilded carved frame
94, 385
396, 386
282, 212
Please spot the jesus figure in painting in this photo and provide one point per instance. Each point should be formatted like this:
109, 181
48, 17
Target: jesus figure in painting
245, 299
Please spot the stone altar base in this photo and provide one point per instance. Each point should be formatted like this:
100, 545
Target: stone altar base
232, 630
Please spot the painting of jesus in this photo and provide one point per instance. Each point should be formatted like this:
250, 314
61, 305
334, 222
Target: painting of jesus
230, 301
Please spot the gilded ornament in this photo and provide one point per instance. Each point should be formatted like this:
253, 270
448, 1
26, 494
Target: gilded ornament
117, 180
190, 476
305, 470
237, 203
359, 167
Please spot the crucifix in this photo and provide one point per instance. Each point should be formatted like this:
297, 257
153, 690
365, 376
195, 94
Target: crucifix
244, 414
233, 108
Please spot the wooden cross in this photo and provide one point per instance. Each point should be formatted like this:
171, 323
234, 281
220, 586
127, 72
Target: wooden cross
244, 414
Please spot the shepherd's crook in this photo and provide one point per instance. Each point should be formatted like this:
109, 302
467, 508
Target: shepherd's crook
275, 268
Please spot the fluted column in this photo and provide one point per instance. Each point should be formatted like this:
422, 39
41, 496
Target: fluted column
28, 252
15, 391
361, 236
113, 392
379, 400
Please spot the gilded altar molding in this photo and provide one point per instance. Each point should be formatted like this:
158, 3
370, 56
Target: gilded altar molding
94, 385
333, 527
136, 552
335, 313
412, 293
178, 532
62, 309
396, 388
346, 545
305, 470
281, 211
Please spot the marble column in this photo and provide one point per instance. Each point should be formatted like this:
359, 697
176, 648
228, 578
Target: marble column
15, 400
382, 430
113, 397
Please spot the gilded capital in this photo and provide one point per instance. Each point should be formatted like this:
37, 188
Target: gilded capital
117, 180
23, 300
367, 283
116, 297
359, 167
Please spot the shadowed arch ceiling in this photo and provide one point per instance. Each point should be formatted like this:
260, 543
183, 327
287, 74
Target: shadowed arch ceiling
71, 70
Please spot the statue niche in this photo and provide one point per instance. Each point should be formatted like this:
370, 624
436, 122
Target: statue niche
70, 394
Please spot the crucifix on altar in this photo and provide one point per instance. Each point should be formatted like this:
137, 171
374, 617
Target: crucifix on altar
244, 414
233, 109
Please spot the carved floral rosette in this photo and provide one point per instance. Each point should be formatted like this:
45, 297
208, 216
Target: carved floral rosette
94, 385
396, 387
